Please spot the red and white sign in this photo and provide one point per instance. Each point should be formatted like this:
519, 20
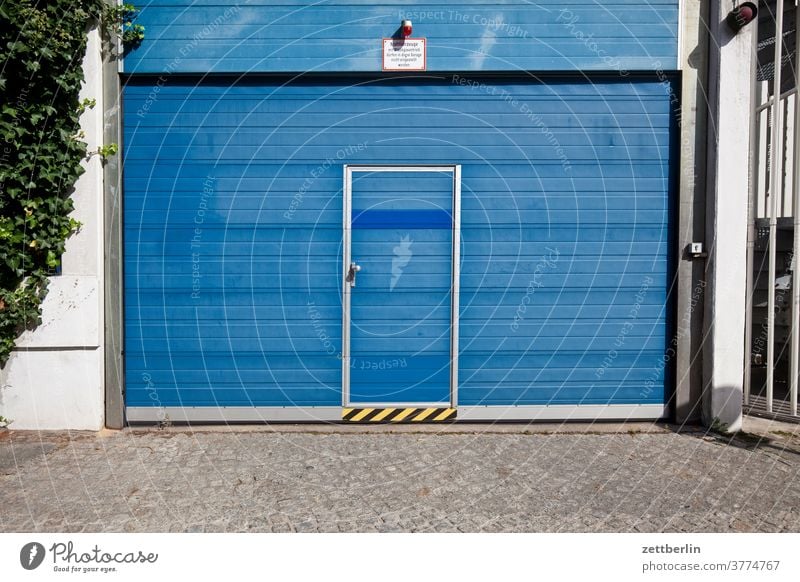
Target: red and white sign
404, 54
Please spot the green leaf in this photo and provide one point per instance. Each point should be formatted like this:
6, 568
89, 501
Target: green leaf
39, 122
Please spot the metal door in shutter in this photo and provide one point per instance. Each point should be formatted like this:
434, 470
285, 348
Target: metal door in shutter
400, 285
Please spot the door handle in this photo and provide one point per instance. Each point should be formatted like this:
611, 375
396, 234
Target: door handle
351, 274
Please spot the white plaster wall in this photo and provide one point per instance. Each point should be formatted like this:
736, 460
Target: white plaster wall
729, 138
55, 378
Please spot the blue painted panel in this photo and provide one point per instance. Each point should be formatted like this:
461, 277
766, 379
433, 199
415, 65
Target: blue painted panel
233, 237
400, 307
401, 218
345, 35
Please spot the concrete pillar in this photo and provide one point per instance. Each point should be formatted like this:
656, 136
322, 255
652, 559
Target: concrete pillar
112, 274
690, 276
731, 81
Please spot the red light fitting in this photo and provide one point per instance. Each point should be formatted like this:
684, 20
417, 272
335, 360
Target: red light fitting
742, 15
405, 27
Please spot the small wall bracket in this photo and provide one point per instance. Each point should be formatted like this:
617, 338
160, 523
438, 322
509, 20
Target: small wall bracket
694, 250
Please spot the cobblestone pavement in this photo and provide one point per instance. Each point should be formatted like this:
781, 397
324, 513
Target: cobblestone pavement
457, 480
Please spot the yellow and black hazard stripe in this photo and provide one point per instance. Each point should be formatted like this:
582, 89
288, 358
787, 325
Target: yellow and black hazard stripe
398, 414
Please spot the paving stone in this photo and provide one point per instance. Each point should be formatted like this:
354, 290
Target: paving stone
282, 482
12, 457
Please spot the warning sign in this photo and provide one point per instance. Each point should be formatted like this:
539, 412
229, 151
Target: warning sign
404, 54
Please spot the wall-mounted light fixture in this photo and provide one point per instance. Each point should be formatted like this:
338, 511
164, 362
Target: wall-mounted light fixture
741, 15
405, 28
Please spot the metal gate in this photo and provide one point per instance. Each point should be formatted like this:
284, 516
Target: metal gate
548, 276
772, 330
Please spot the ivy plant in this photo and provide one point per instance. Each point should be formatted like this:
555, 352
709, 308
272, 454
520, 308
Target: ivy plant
122, 19
41, 146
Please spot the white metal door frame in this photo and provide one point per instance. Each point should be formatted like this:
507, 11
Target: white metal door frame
349, 170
